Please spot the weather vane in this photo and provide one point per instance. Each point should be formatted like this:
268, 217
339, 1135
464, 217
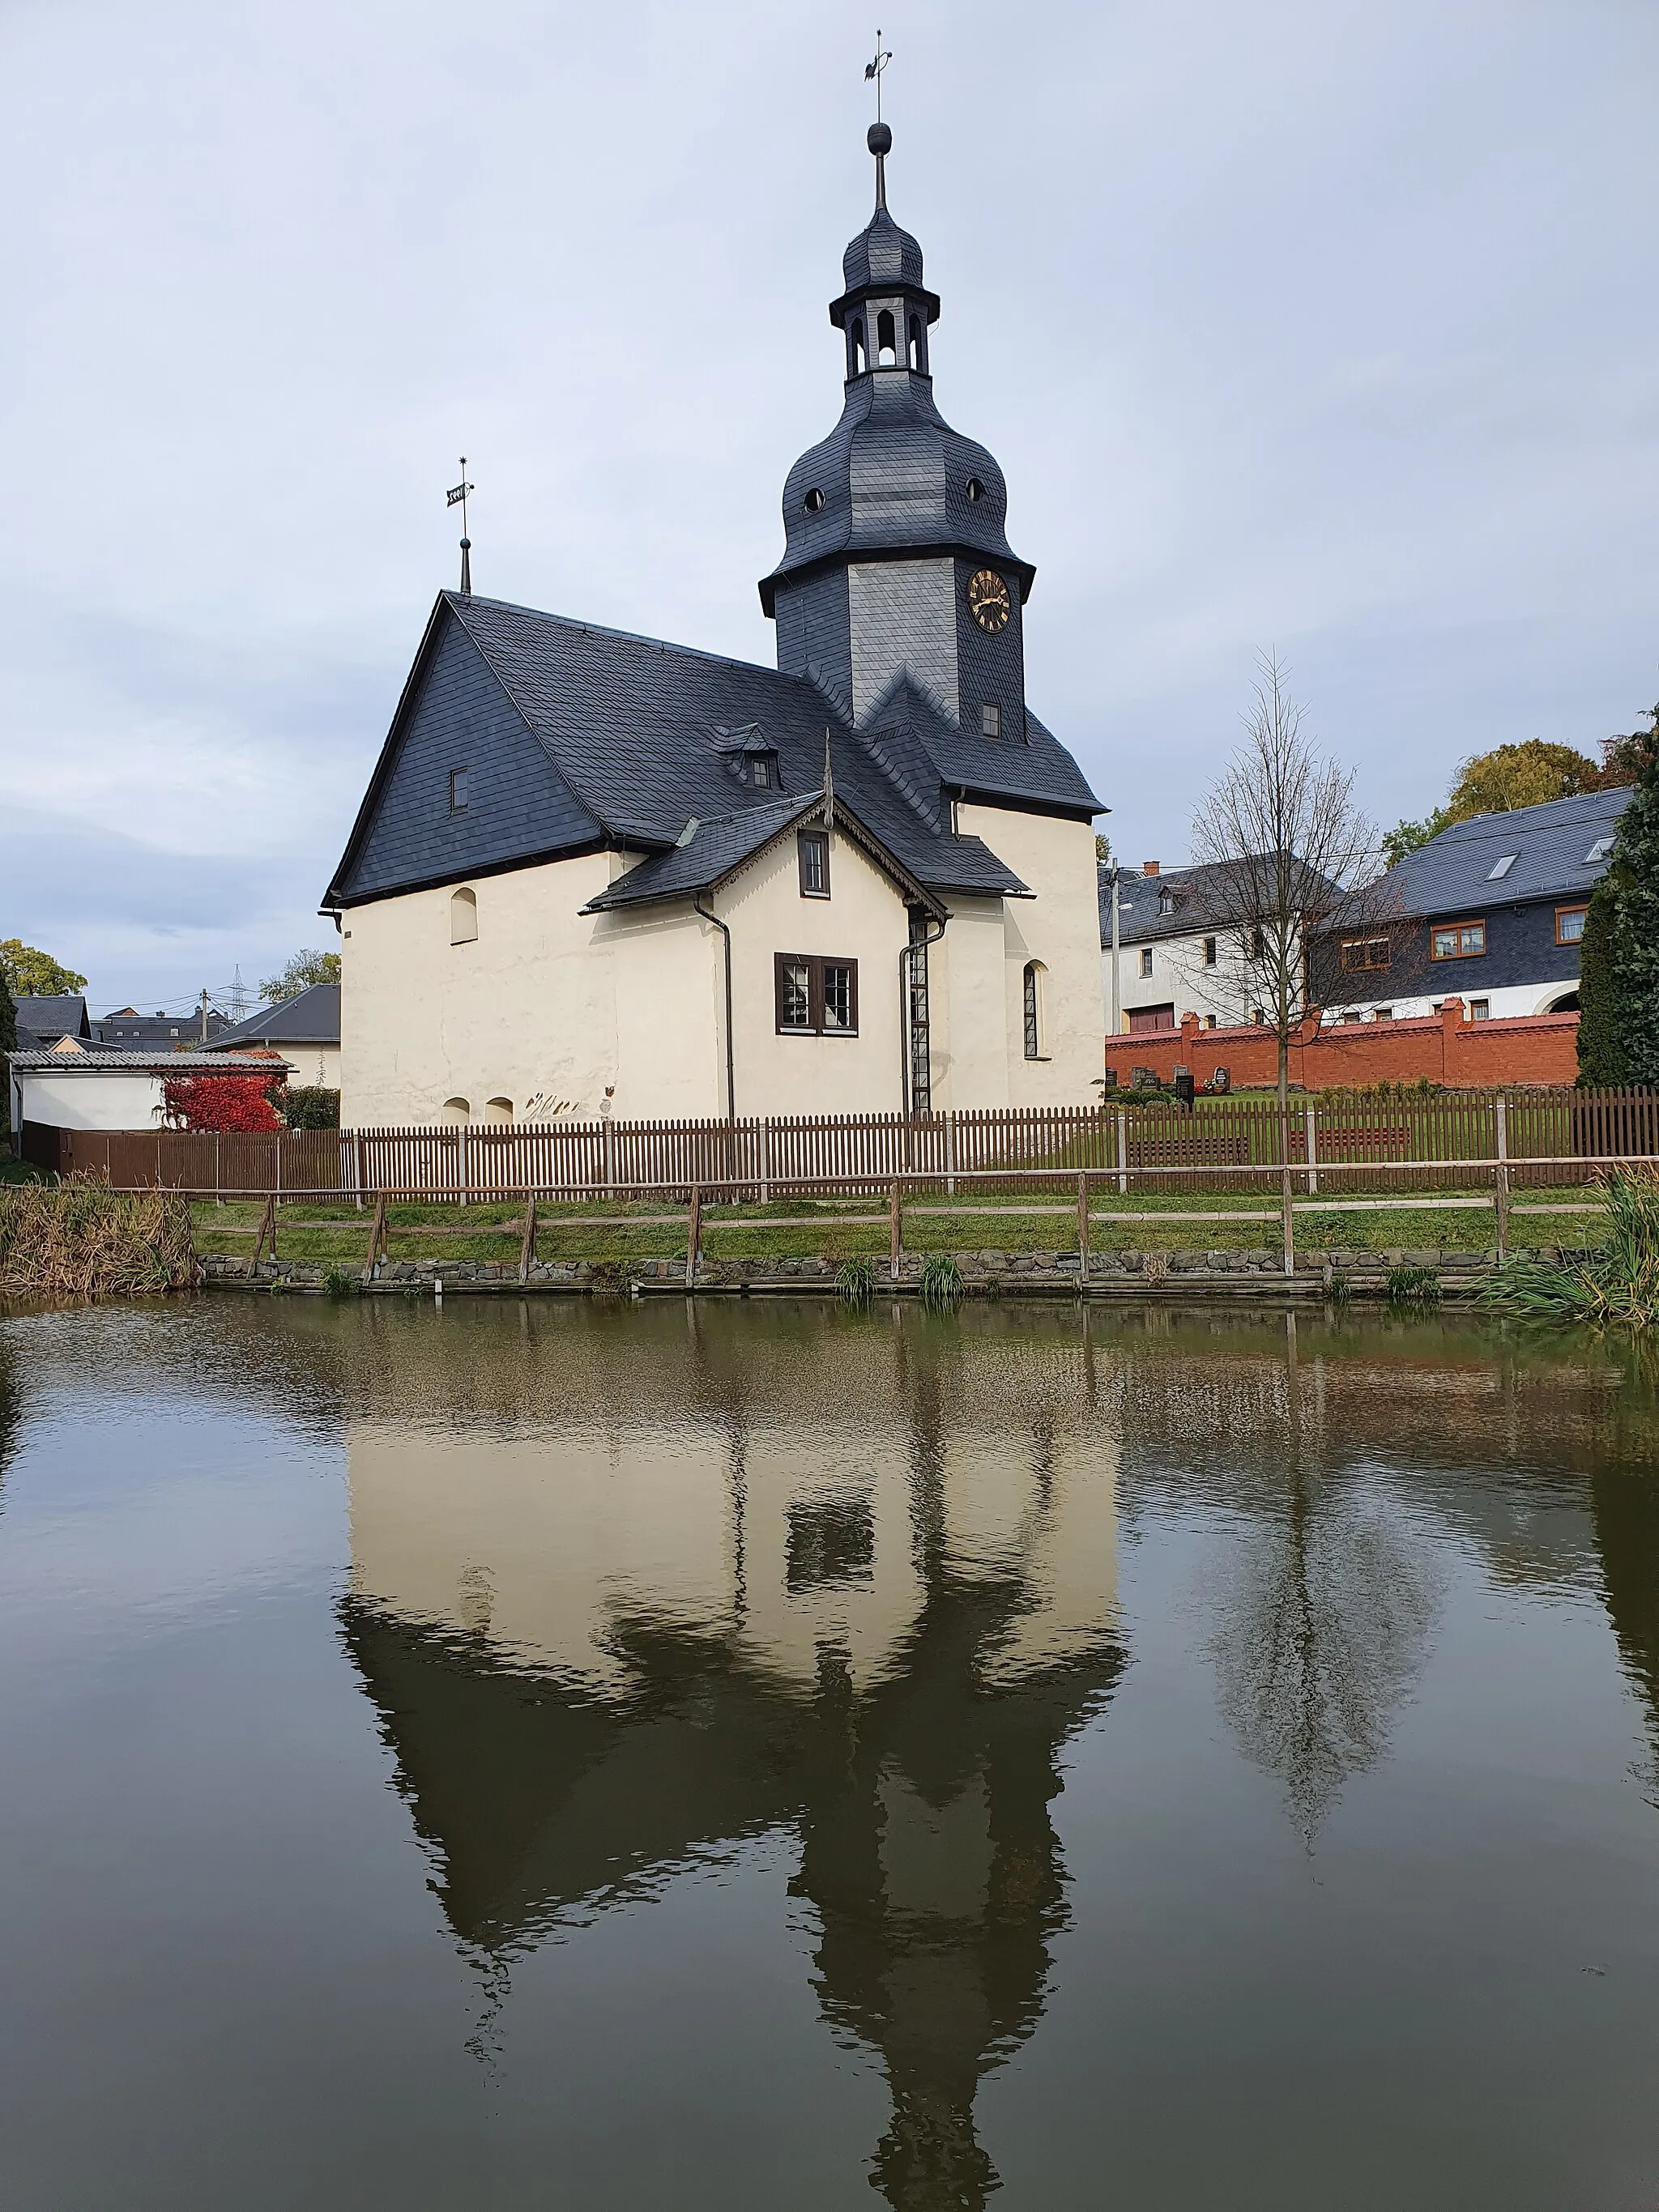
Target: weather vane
457, 497
875, 70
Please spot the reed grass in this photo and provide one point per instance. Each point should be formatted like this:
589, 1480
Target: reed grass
1617, 1282
78, 1238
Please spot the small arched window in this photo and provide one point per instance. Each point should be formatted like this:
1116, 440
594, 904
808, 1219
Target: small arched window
498, 1113
457, 1113
1033, 1009
915, 342
886, 340
463, 917
813, 502
858, 346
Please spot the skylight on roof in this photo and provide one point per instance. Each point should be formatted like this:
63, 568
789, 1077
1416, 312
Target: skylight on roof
1598, 851
1501, 867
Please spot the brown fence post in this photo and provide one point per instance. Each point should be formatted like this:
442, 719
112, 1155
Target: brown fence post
896, 1228
693, 1234
1287, 1216
527, 1249
1501, 1115
377, 1233
1083, 1230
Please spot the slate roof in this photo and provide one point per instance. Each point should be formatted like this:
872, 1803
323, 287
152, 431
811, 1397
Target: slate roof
1552, 844
630, 737
310, 1016
1198, 905
64, 1016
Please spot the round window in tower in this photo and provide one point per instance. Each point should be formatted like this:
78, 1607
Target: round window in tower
976, 488
813, 501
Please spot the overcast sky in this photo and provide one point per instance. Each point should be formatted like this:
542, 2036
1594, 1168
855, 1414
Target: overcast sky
1327, 327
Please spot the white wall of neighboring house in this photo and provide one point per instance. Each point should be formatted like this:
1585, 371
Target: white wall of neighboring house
1507, 999
1221, 993
94, 1099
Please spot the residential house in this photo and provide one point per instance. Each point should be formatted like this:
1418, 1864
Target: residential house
127, 1028
1492, 911
305, 1028
42, 1022
593, 872
1182, 948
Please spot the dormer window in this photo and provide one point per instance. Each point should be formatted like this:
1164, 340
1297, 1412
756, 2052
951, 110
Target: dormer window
457, 790
1166, 902
758, 770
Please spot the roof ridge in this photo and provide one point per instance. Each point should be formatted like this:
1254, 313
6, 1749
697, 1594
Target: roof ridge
661, 645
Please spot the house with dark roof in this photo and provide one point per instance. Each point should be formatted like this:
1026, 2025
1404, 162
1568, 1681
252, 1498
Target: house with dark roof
128, 1030
1491, 912
42, 1022
593, 872
1185, 943
305, 1029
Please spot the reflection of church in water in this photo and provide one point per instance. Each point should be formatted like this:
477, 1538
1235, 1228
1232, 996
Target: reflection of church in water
869, 1606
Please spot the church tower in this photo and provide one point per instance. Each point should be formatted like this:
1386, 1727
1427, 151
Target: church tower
896, 561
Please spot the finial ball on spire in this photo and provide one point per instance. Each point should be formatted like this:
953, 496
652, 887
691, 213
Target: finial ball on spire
880, 139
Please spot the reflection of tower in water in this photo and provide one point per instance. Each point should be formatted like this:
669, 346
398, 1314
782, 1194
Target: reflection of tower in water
870, 1600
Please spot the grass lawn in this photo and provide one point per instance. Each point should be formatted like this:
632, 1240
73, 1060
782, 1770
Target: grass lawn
614, 1232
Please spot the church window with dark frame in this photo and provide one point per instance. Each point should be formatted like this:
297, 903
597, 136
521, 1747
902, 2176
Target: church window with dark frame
815, 996
990, 719
813, 502
459, 779
813, 854
1032, 1009
886, 340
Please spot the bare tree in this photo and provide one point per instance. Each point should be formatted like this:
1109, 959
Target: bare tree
1286, 848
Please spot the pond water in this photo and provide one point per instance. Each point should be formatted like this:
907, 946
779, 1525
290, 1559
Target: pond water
749, 1756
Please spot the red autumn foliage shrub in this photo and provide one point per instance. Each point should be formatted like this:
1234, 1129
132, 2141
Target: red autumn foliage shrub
220, 1102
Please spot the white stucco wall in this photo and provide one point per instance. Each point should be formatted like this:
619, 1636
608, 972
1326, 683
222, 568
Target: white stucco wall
545, 1002
1227, 991
548, 1004
1059, 928
864, 918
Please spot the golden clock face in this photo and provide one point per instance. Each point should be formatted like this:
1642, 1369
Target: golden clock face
987, 600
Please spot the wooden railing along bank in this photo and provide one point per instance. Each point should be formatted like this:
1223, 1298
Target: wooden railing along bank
1336, 1143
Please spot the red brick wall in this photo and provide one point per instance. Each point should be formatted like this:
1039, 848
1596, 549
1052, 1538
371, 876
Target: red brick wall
1446, 1046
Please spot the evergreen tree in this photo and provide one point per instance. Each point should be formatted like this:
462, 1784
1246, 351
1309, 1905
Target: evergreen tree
1619, 984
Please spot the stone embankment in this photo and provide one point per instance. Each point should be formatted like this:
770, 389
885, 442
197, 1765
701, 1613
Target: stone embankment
1184, 1274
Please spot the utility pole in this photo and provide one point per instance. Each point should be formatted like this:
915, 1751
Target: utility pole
1117, 988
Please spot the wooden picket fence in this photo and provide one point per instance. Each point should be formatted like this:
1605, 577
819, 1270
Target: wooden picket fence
1337, 1142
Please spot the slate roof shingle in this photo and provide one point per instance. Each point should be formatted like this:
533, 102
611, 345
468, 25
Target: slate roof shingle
632, 736
1552, 844
310, 1016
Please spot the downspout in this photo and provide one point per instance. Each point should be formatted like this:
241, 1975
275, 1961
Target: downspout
907, 954
731, 1088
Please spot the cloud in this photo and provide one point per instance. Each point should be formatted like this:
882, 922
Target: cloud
1320, 326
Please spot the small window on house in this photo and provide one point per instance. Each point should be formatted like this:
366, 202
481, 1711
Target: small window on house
1146, 959
1209, 953
915, 342
1384, 1014
990, 721
463, 917
816, 997
1258, 944
1460, 940
1258, 1017
813, 502
1570, 923
976, 488
1366, 952
858, 346
755, 769
1032, 1009
1209, 1021
457, 1113
457, 790
1166, 902
498, 1112
1501, 867
1598, 851
886, 340
812, 850
1479, 1009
